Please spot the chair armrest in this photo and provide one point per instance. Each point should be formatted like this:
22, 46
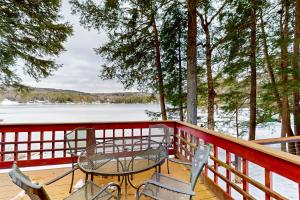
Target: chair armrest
152, 182
180, 162
61, 176
105, 188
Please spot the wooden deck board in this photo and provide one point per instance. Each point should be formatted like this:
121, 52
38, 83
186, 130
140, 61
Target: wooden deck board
59, 189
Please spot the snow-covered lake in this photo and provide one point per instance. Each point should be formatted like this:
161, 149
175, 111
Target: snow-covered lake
27, 113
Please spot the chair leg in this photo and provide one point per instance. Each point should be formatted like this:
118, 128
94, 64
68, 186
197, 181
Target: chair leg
137, 194
86, 177
168, 166
72, 180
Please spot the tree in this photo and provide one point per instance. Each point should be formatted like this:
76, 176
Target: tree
133, 46
192, 62
296, 95
252, 121
210, 44
30, 32
173, 39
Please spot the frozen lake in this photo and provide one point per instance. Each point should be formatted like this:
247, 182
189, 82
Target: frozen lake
27, 113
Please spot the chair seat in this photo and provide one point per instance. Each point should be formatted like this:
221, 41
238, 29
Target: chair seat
88, 191
157, 192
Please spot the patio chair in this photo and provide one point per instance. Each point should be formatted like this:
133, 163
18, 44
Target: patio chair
165, 187
166, 140
86, 137
90, 191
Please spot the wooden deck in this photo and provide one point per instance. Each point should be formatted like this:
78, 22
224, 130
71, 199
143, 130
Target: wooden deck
59, 189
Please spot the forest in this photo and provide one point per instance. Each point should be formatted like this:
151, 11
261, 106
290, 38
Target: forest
47, 95
230, 55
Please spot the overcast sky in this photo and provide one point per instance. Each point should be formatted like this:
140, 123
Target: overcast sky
81, 66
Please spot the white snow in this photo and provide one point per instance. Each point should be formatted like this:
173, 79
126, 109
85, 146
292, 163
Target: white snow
226, 124
7, 102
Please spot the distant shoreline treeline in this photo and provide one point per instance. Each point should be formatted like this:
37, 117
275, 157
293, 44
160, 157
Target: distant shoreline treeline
68, 96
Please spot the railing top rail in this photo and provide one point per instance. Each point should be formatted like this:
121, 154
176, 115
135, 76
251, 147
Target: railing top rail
242, 143
83, 123
54, 126
278, 140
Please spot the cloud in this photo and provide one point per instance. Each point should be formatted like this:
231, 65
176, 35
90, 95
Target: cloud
81, 66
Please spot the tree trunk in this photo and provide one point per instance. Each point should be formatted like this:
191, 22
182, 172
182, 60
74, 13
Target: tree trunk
180, 78
269, 65
192, 63
296, 78
252, 123
210, 85
286, 122
159, 71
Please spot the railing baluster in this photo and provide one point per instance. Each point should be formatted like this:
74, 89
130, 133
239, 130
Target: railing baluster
206, 166
65, 144
268, 182
228, 173
16, 146
114, 135
175, 139
298, 190
41, 144
104, 136
216, 155
53, 144
29, 146
2, 155
245, 172
185, 145
141, 138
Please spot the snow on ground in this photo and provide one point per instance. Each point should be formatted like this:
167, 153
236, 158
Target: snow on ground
226, 124
7, 102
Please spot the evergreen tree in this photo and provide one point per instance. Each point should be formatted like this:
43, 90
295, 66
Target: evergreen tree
211, 30
133, 51
192, 62
173, 44
30, 31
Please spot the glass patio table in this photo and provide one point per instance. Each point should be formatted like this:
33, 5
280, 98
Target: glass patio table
122, 157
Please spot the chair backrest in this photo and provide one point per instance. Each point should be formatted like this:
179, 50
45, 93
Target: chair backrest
161, 129
199, 160
34, 191
80, 138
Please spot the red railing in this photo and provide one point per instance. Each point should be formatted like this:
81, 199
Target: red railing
44, 144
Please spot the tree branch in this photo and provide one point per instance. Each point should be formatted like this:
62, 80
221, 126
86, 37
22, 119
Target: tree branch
218, 12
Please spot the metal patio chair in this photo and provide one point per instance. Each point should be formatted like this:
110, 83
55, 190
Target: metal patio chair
90, 191
165, 187
78, 139
166, 141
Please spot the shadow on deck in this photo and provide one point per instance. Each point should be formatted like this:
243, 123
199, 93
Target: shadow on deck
59, 190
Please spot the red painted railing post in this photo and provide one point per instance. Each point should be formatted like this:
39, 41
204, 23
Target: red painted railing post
2, 155
41, 144
175, 139
16, 146
245, 172
53, 144
228, 173
298, 190
268, 182
65, 144
206, 166
216, 155
29, 146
